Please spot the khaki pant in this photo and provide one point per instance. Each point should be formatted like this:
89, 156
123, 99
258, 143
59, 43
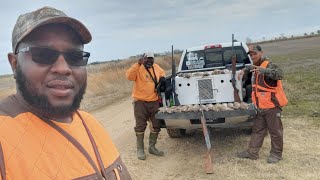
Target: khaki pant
143, 112
270, 120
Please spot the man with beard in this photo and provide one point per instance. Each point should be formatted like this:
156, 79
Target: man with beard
268, 98
146, 76
43, 135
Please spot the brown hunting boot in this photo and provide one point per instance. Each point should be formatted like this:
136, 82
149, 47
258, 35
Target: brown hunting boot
245, 154
273, 159
152, 142
140, 146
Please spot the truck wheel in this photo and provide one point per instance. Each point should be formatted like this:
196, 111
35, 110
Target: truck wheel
176, 133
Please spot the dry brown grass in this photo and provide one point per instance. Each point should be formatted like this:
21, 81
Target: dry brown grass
7, 86
107, 82
300, 158
184, 157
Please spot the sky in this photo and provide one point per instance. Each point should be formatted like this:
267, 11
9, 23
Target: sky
123, 28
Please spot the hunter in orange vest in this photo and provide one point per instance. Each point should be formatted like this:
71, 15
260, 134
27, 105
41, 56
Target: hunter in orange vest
43, 135
268, 97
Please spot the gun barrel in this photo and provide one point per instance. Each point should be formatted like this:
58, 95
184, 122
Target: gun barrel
173, 63
234, 69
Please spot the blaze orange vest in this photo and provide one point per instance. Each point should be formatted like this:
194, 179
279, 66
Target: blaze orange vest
33, 149
265, 96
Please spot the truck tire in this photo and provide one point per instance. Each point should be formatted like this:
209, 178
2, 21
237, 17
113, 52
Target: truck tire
176, 133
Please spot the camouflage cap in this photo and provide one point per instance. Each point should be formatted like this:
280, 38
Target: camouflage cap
26, 23
254, 48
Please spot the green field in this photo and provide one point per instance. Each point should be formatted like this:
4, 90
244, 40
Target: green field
301, 82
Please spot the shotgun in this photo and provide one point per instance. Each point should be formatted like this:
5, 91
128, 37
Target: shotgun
234, 69
173, 76
208, 162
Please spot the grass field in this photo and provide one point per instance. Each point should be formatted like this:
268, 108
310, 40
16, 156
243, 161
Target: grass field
300, 60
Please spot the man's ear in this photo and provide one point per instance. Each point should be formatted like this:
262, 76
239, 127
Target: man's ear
12, 58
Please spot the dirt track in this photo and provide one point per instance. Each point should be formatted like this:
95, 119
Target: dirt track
184, 157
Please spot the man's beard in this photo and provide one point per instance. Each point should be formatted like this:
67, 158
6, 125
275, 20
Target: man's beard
148, 64
41, 102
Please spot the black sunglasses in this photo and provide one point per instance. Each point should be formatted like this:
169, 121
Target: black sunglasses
48, 56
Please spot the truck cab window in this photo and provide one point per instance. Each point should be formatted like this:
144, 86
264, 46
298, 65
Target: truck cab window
242, 57
194, 60
214, 58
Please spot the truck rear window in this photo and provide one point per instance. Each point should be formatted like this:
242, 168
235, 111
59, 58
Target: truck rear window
216, 57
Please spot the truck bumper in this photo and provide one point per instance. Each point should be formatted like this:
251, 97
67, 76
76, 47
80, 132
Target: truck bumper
223, 119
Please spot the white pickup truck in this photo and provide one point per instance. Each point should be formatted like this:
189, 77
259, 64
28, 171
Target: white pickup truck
203, 82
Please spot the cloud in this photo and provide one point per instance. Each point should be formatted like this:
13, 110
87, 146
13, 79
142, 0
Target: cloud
124, 28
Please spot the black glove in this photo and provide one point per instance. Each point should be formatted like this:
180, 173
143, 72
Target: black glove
140, 61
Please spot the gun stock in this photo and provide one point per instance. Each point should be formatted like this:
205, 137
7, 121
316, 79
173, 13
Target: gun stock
208, 165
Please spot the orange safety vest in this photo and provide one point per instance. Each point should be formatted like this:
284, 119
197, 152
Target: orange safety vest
265, 96
32, 148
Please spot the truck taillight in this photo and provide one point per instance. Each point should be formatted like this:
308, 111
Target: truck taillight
213, 46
